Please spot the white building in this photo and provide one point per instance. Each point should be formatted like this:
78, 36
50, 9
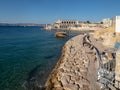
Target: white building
117, 24
65, 24
107, 22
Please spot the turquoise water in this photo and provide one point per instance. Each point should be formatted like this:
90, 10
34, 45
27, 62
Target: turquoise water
27, 55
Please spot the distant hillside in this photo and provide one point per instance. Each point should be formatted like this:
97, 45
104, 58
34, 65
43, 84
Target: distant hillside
21, 24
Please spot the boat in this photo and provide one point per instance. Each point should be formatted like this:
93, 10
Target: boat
60, 34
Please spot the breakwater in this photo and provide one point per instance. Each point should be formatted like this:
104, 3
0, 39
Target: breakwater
76, 69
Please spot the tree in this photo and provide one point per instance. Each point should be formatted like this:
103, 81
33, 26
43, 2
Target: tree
88, 22
101, 22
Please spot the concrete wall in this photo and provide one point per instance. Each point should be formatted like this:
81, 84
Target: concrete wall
117, 29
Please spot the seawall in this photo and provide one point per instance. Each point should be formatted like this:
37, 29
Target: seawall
76, 69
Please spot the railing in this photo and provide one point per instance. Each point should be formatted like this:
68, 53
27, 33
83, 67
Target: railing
110, 81
113, 85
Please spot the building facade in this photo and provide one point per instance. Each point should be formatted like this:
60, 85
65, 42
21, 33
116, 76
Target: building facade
65, 24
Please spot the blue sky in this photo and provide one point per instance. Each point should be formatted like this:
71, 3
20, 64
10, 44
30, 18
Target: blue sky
48, 11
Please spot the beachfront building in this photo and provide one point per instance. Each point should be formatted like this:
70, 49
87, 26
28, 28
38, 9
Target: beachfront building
107, 22
74, 25
65, 24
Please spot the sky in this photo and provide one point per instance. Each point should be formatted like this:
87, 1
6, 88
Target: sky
49, 11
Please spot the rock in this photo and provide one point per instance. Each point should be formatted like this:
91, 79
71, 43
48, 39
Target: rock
60, 34
65, 80
71, 87
85, 87
57, 84
58, 88
61, 69
72, 68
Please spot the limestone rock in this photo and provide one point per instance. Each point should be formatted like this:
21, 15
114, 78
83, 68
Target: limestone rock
71, 71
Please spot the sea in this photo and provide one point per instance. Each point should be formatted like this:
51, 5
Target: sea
28, 55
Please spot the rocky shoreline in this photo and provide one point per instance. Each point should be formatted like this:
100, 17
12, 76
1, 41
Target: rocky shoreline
76, 69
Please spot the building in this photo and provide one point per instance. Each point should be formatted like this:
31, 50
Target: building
65, 24
107, 22
48, 27
117, 24
74, 25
